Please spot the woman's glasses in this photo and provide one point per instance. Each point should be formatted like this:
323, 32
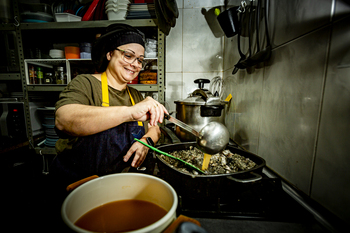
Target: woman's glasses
131, 58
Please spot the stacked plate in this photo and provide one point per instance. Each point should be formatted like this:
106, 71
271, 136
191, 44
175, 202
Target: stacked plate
117, 9
141, 11
48, 117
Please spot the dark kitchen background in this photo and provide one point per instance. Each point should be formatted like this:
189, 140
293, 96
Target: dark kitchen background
292, 110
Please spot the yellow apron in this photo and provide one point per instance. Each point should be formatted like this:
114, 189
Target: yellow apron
105, 94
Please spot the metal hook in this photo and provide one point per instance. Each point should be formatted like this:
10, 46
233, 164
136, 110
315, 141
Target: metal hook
16, 23
241, 8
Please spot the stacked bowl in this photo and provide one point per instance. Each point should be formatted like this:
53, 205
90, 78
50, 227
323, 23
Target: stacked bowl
117, 9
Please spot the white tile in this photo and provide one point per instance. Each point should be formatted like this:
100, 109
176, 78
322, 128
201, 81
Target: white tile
174, 47
180, 4
202, 52
202, 3
173, 91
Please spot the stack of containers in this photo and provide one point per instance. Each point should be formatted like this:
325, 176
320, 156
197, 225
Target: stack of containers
117, 9
48, 119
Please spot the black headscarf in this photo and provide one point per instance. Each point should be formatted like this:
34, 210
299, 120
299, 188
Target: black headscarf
114, 36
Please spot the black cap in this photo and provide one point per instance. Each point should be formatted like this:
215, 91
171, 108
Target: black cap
114, 36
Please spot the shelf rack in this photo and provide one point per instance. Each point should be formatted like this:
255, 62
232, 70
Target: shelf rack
23, 76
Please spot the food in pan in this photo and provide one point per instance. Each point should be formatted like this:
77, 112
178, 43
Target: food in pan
221, 163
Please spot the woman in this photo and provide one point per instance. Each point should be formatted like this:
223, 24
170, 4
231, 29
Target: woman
98, 122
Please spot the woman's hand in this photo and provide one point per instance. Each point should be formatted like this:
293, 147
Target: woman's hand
140, 153
149, 109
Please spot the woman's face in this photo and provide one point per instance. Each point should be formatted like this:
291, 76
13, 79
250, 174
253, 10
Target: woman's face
121, 69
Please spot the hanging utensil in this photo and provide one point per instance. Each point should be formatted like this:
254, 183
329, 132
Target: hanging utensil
172, 6
168, 15
264, 54
161, 21
243, 56
229, 22
246, 63
211, 139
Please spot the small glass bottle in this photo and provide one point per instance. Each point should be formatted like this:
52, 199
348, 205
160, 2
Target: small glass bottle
40, 75
31, 75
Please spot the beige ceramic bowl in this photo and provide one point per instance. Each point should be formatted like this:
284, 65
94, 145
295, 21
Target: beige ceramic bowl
121, 186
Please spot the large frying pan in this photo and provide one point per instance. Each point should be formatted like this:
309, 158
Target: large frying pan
207, 185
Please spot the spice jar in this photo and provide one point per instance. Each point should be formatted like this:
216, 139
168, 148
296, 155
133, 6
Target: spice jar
60, 76
48, 79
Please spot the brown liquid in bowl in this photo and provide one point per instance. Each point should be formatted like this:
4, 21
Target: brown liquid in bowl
121, 216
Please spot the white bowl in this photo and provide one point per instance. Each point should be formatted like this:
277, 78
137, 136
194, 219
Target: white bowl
56, 53
122, 186
118, 1
113, 14
116, 6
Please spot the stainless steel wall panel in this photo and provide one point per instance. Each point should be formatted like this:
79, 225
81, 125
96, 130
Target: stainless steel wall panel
245, 107
291, 97
291, 19
342, 9
202, 52
332, 174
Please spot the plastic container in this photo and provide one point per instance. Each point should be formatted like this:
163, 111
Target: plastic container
72, 52
66, 17
116, 14
117, 187
85, 47
85, 55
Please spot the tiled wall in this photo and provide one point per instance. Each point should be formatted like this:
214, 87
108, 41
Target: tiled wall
191, 51
294, 111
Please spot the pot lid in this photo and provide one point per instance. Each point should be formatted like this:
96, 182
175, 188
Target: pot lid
201, 96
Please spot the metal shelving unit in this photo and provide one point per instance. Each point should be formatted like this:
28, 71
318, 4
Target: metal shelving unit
22, 28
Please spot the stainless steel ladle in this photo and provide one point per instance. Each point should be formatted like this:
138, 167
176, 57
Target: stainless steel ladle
211, 139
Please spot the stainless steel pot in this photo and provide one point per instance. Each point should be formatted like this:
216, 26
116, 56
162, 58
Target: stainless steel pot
198, 110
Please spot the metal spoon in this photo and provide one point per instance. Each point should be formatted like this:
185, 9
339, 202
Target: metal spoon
212, 139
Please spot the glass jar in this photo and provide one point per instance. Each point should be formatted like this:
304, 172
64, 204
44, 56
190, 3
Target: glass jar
60, 76
48, 79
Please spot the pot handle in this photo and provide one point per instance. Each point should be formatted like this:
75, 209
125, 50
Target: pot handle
255, 178
76, 184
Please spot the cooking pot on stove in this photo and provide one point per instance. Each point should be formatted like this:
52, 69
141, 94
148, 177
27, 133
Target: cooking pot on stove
198, 109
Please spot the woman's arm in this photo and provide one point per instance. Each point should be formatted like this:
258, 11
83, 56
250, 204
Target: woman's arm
141, 150
82, 120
